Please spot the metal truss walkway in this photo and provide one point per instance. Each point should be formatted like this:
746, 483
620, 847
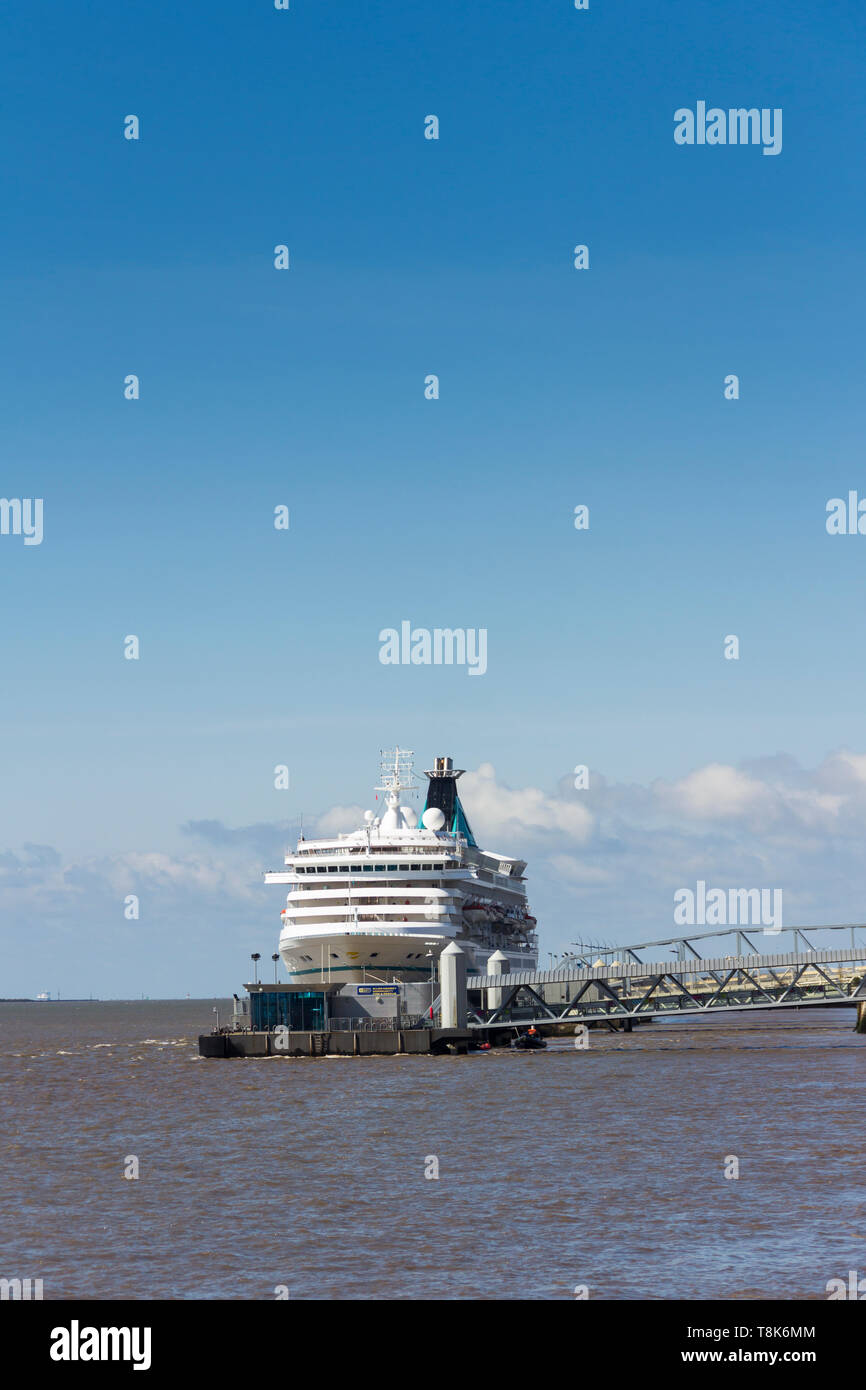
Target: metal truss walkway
621, 992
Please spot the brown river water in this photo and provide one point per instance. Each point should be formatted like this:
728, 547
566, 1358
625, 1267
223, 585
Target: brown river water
602, 1167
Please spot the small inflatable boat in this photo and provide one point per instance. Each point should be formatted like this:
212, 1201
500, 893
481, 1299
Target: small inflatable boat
525, 1041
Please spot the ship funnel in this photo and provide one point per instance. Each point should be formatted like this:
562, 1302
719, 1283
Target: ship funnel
442, 795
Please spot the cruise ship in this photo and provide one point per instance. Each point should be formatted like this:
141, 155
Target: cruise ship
380, 903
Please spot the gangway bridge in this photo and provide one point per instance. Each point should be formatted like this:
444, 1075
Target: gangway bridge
613, 985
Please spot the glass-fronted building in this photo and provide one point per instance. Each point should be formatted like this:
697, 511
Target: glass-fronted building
301, 1011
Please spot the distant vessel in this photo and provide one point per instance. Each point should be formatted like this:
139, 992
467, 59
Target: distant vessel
382, 902
44, 995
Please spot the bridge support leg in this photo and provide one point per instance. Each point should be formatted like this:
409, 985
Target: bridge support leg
452, 982
497, 964
860, 1025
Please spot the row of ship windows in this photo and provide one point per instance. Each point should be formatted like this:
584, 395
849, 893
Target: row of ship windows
386, 850
365, 868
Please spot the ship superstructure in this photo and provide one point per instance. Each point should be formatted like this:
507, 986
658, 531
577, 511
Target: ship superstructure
380, 903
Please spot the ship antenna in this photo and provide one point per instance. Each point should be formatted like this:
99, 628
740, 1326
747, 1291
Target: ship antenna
396, 770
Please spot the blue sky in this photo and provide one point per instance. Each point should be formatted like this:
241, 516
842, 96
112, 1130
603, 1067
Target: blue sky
305, 387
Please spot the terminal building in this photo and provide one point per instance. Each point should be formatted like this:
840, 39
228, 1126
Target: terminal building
337, 1005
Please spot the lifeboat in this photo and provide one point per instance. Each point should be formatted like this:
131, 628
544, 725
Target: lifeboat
476, 911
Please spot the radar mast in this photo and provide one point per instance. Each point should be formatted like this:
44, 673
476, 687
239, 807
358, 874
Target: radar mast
396, 771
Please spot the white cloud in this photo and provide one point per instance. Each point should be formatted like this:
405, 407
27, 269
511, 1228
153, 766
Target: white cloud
339, 820
574, 871
715, 792
497, 813
602, 863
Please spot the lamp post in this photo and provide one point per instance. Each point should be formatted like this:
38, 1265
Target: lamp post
275, 958
255, 957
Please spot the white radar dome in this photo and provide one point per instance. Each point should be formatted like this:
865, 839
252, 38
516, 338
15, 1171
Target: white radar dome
433, 819
369, 817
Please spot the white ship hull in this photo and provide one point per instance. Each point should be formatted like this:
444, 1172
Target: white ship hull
358, 956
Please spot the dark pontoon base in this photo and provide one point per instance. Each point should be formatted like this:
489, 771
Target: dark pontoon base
378, 1042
